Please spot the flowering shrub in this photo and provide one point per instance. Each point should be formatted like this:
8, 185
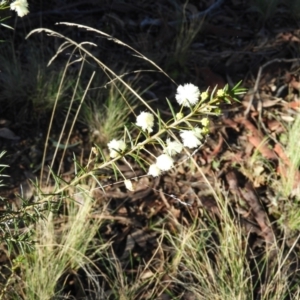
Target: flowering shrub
188, 128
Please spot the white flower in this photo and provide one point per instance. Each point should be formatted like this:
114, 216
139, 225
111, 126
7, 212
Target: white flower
191, 138
146, 121
128, 185
173, 147
187, 95
164, 162
154, 170
116, 146
21, 7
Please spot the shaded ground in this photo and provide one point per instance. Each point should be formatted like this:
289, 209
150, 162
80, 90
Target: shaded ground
244, 153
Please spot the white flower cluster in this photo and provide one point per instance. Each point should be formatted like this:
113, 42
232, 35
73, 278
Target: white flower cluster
115, 147
187, 95
146, 121
173, 147
164, 162
20, 6
191, 138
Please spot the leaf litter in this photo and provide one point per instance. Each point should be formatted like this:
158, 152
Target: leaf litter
243, 156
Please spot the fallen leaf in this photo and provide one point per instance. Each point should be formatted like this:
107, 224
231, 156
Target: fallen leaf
218, 147
147, 274
262, 146
293, 104
258, 141
8, 134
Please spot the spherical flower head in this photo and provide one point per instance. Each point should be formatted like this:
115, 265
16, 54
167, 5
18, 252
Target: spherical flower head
173, 147
205, 122
187, 95
116, 146
21, 7
146, 121
154, 170
220, 93
191, 138
179, 116
164, 162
